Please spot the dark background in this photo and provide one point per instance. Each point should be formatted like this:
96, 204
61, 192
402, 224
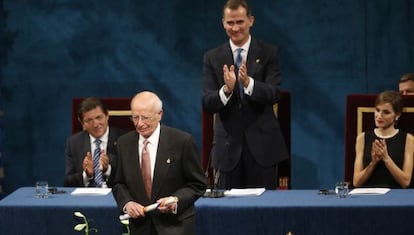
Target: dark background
54, 50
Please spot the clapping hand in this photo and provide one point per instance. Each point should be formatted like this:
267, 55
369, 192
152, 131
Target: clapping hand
103, 161
379, 148
88, 164
229, 77
243, 77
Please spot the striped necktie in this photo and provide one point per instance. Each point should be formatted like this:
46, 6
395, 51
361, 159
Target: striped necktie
238, 64
96, 156
238, 60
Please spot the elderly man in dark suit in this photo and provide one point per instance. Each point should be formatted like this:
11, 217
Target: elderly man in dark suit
240, 85
157, 164
91, 153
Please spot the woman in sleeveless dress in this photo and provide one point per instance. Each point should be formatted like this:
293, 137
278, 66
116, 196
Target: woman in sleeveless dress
384, 156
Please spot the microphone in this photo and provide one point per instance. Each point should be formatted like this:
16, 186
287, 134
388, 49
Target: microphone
214, 193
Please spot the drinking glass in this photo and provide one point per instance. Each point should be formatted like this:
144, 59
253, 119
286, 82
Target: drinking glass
342, 189
42, 189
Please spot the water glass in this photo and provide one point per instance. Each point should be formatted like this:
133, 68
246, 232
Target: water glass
342, 189
42, 189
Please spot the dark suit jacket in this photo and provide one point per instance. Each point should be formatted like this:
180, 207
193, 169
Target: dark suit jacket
76, 148
177, 172
252, 117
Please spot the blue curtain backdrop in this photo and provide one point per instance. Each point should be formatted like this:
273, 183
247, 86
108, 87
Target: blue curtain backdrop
55, 50
3, 46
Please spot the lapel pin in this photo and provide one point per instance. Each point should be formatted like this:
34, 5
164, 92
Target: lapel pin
168, 161
257, 61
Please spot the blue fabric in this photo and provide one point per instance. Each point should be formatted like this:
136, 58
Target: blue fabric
3, 38
23, 213
274, 212
307, 213
53, 51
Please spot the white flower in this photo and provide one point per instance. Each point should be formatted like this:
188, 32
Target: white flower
78, 214
79, 227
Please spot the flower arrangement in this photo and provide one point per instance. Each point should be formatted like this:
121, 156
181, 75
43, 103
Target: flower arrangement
84, 225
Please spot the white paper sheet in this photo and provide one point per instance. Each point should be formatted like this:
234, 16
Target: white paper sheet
369, 191
244, 192
91, 191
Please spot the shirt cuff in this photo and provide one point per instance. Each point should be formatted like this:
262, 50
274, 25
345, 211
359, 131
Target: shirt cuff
224, 99
175, 208
108, 171
86, 179
249, 89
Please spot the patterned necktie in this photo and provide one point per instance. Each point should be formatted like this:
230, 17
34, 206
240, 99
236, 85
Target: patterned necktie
238, 64
146, 168
96, 156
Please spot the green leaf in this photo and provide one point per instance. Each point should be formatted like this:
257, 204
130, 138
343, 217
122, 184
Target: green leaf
79, 227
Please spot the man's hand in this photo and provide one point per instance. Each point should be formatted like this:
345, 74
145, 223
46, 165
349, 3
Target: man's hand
103, 161
135, 210
229, 77
168, 204
88, 165
243, 77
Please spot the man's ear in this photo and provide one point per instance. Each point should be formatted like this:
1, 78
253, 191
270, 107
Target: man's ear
251, 18
80, 121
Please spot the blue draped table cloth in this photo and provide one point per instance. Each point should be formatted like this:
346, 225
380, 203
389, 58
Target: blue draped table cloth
22, 213
277, 212
305, 212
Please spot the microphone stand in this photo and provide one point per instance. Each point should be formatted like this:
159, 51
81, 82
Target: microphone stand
214, 192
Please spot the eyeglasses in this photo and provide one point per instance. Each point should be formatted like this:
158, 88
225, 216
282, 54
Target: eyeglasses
98, 118
142, 118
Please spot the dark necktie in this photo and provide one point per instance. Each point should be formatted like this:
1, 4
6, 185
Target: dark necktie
238, 64
96, 156
146, 169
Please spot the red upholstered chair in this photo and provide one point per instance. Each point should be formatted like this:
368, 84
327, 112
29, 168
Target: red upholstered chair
282, 110
360, 117
119, 113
